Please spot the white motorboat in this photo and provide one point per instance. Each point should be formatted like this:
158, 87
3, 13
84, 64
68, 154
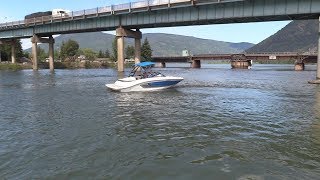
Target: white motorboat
142, 78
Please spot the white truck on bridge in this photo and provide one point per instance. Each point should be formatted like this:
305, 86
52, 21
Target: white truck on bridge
47, 15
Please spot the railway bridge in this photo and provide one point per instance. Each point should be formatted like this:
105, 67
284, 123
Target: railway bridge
242, 60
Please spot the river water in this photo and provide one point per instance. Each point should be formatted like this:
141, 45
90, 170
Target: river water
218, 123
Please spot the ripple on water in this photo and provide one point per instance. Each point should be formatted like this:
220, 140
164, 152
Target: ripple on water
218, 123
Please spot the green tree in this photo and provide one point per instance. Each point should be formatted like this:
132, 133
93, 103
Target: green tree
114, 56
69, 49
5, 50
129, 52
26, 54
107, 53
42, 55
56, 54
100, 54
89, 53
146, 51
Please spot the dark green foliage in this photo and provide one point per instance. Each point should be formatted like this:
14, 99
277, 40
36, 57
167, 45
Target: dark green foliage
69, 49
146, 51
26, 54
42, 55
5, 50
9, 66
101, 54
56, 54
89, 53
129, 52
107, 53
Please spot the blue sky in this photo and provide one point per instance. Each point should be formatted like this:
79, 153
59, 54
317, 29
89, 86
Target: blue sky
248, 32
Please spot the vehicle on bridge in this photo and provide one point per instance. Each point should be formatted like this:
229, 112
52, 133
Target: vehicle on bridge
142, 78
47, 15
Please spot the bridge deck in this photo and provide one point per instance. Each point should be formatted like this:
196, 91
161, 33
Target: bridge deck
163, 13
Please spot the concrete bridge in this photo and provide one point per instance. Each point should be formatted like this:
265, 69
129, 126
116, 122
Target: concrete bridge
128, 18
241, 60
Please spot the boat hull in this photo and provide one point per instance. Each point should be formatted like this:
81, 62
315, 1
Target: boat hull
147, 84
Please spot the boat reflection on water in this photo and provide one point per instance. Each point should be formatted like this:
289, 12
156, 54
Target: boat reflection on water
142, 78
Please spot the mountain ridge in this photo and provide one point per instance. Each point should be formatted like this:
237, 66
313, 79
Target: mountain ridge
162, 44
298, 36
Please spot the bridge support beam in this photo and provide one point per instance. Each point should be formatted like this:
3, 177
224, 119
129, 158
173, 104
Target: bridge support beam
51, 53
196, 64
317, 81
299, 66
0, 51
13, 52
137, 50
120, 51
34, 52
120, 34
35, 39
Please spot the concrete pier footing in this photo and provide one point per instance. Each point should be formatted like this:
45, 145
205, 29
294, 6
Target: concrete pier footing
299, 66
241, 64
196, 64
161, 65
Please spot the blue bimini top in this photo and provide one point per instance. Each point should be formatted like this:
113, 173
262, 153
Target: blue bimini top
145, 64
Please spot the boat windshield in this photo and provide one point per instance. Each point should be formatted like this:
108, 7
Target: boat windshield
144, 70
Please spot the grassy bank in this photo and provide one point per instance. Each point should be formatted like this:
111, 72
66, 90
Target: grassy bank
60, 65
14, 67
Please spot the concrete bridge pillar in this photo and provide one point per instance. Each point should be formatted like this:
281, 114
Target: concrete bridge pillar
137, 48
120, 51
196, 64
318, 60
299, 66
35, 39
13, 52
121, 33
0, 51
51, 53
34, 52
317, 81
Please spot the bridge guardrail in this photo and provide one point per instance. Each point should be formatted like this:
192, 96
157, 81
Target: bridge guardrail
104, 9
100, 10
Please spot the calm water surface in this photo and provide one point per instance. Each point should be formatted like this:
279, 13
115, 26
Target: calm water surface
218, 123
